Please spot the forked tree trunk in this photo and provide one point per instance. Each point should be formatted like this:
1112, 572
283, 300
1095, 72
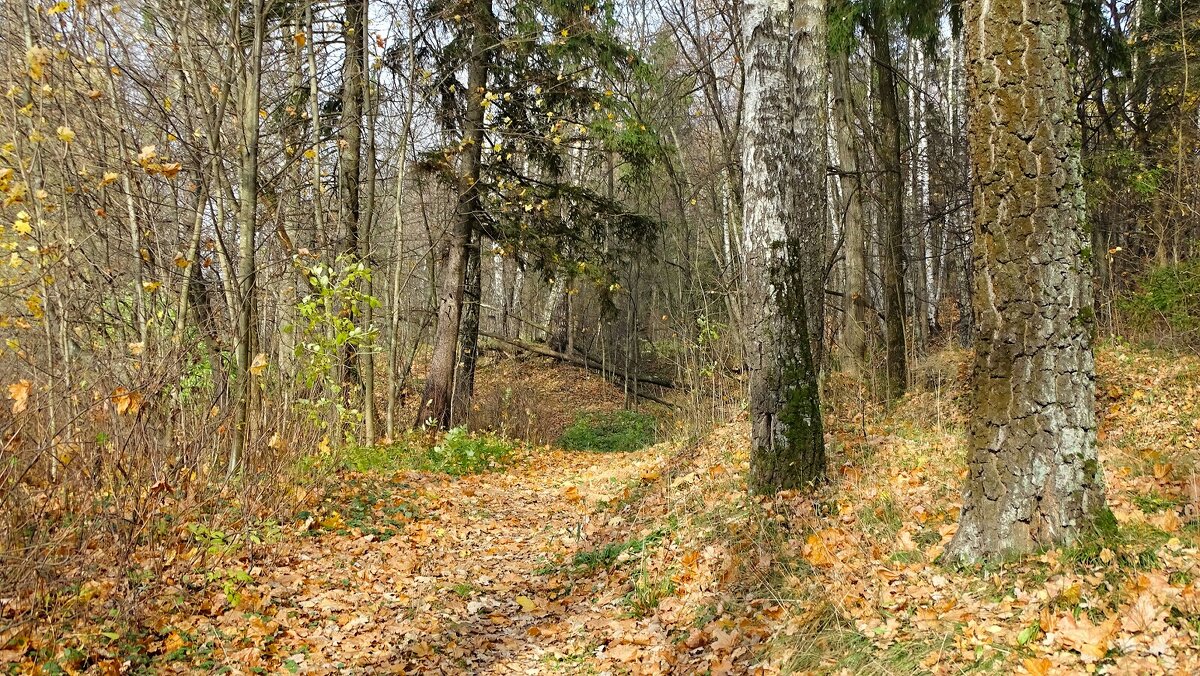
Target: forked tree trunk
1033, 475
468, 342
784, 143
439, 383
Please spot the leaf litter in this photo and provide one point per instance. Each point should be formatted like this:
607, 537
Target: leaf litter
657, 561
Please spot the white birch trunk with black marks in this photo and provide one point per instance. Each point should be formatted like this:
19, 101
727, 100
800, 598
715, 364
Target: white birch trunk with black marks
784, 163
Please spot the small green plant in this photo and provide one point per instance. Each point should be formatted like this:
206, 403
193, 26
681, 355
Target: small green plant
1154, 502
605, 557
613, 432
648, 590
461, 452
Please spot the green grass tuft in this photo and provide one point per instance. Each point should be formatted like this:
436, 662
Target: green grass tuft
614, 432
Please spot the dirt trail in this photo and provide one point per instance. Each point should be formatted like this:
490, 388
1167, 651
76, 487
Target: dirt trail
476, 583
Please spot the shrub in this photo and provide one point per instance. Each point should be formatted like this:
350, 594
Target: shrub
461, 452
1167, 295
614, 432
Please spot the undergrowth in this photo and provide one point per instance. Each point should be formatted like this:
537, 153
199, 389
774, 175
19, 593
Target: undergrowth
458, 453
612, 432
1167, 297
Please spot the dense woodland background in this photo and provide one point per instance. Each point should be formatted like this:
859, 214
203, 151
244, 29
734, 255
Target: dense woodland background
229, 232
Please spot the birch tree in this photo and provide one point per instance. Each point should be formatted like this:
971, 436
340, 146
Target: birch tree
783, 163
1033, 478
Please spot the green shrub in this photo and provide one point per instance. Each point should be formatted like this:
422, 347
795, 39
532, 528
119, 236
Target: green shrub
617, 431
1167, 295
459, 452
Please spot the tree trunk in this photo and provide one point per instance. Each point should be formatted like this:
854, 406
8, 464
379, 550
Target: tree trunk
468, 344
350, 169
366, 358
854, 327
439, 383
247, 226
782, 136
1033, 478
891, 209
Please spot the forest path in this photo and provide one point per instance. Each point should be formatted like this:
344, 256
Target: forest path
480, 581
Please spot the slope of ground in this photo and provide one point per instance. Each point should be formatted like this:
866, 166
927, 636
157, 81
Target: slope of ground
658, 562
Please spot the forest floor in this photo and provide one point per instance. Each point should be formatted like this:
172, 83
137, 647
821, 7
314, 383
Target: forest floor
657, 561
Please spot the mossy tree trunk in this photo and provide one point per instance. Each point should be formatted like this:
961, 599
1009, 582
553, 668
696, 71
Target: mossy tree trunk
1033, 475
784, 164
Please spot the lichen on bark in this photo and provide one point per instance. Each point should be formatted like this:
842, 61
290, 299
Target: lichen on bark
1034, 479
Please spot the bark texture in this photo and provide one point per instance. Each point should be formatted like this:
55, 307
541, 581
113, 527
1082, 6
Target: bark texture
439, 383
1033, 479
854, 307
783, 158
891, 208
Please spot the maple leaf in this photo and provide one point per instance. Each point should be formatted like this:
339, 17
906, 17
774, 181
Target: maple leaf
65, 134
147, 155
1037, 666
126, 402
1142, 615
19, 393
1089, 640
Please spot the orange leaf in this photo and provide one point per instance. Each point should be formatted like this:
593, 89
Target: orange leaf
19, 393
1037, 667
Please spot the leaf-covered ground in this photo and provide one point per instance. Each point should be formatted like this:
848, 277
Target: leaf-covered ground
657, 561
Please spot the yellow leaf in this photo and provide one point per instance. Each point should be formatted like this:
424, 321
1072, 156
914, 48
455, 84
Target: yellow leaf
109, 177
170, 169
300, 39
19, 393
65, 134
136, 349
34, 304
181, 261
526, 604
259, 364
151, 287
22, 226
1037, 666
37, 58
58, 8
147, 155
173, 642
